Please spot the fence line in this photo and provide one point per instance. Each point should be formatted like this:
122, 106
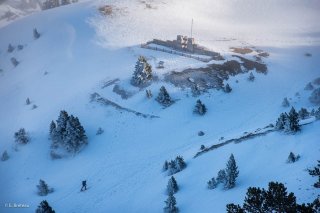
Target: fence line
176, 53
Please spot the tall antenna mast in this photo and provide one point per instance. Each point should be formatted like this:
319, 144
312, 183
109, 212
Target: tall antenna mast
191, 26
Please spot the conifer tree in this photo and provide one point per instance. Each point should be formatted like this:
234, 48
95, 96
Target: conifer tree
315, 172
251, 77
231, 173
315, 96
254, 200
165, 166
5, 156
309, 86
292, 158
10, 48
180, 164
171, 205
232, 208
143, 72
44, 207
14, 61
43, 188
28, 101
221, 177
21, 136
164, 97
303, 113
172, 186
200, 108
294, 120
212, 184
36, 34
285, 102
227, 89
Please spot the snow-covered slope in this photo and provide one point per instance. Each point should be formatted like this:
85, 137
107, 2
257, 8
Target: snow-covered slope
79, 50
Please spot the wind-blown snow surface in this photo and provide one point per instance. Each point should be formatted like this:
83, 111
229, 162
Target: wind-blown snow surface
79, 50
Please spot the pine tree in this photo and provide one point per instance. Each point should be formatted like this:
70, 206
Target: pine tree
165, 166
315, 172
315, 96
171, 205
303, 113
172, 186
294, 120
14, 61
285, 102
278, 200
292, 158
180, 164
164, 97
227, 89
43, 188
251, 77
232, 208
99, 131
143, 72
254, 200
28, 101
281, 122
309, 86
44, 207
212, 184
172, 168
148, 94
21, 136
200, 108
36, 34
10, 48
231, 173
221, 177
5, 156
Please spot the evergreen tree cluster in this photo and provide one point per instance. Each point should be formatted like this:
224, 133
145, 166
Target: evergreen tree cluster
200, 108
303, 113
164, 98
44, 207
292, 158
21, 136
172, 186
43, 188
174, 166
275, 199
67, 133
227, 176
288, 122
315, 96
142, 73
315, 172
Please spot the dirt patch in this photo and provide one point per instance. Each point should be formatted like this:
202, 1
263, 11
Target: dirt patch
241, 50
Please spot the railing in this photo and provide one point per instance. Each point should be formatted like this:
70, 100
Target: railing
176, 53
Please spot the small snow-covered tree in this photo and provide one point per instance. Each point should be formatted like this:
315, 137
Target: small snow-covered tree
303, 113
212, 184
43, 188
285, 102
36, 34
14, 61
164, 97
5, 156
315, 96
315, 172
172, 167
309, 86
10, 48
200, 108
294, 120
172, 186
20, 46
44, 207
221, 177
202, 147
227, 89
171, 205
99, 131
251, 77
142, 73
232, 173
165, 166
148, 94
28, 101
180, 164
292, 158
21, 136
281, 122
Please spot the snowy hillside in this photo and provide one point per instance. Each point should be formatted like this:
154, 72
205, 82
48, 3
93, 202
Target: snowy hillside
83, 63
